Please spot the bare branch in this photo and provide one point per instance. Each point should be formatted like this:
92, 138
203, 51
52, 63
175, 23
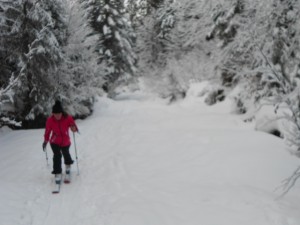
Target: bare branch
289, 183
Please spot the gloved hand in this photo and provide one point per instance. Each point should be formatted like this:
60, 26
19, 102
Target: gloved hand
74, 128
44, 146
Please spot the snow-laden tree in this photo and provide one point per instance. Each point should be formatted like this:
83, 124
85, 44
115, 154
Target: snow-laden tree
116, 40
259, 45
172, 48
45, 55
262, 58
138, 9
31, 34
80, 74
10, 11
152, 44
285, 63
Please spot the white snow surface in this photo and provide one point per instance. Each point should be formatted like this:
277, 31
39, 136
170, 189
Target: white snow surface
145, 162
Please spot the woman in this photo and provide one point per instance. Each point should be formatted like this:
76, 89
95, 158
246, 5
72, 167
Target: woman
57, 133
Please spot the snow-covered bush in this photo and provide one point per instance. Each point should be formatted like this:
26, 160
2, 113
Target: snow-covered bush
269, 121
5, 121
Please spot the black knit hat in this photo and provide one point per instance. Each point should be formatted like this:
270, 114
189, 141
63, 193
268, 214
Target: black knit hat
57, 108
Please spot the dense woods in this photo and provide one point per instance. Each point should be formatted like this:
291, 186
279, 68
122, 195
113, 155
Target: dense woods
76, 50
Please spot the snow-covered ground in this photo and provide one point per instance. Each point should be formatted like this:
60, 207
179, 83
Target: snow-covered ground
144, 162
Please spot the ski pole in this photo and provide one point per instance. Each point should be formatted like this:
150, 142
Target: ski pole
46, 157
76, 153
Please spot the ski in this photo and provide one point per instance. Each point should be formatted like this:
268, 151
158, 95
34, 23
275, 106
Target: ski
67, 179
58, 181
57, 188
57, 185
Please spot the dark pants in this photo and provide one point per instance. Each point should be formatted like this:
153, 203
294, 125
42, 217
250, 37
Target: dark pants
58, 152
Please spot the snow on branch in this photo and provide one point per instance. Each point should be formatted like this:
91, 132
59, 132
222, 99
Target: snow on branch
4, 121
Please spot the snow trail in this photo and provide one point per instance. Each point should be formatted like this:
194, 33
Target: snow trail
143, 162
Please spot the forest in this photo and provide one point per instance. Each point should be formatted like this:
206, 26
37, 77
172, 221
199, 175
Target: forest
76, 50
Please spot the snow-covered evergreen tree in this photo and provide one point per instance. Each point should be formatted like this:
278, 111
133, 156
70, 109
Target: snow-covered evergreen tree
138, 9
31, 35
45, 55
116, 40
172, 47
80, 74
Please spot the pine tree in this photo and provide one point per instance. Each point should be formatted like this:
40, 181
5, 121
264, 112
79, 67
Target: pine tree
9, 12
116, 40
159, 46
32, 33
80, 74
137, 10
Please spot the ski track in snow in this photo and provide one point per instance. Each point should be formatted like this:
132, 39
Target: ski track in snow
146, 163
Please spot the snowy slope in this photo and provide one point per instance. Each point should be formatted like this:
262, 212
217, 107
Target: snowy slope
143, 162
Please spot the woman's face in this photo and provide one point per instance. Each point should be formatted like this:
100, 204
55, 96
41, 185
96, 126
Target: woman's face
57, 116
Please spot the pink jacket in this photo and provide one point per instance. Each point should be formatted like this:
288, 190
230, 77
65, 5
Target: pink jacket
59, 130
